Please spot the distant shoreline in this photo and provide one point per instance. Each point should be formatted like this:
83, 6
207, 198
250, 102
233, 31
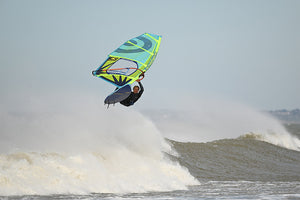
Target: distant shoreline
286, 116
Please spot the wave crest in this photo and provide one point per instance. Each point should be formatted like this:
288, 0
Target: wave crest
285, 140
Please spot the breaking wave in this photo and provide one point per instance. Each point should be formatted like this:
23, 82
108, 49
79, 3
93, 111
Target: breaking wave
285, 139
86, 148
86, 151
216, 120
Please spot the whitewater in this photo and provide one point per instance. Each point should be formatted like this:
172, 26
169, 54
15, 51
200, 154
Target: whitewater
83, 150
105, 151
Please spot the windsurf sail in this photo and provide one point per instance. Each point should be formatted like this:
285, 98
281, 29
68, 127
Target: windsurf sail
130, 61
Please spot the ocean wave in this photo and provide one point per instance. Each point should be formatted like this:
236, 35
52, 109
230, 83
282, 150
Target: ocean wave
285, 140
87, 150
82, 152
217, 120
30, 173
244, 158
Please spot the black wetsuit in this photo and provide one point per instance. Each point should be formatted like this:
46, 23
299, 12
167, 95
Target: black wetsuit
129, 101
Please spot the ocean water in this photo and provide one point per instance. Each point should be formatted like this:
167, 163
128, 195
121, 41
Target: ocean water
105, 154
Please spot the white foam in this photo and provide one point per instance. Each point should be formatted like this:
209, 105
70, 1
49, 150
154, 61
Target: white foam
282, 139
122, 171
85, 149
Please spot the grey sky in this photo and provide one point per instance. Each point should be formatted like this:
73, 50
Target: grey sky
247, 51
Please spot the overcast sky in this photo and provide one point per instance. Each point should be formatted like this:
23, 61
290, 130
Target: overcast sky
247, 51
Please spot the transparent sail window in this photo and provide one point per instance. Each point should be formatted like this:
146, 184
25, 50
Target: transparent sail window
123, 67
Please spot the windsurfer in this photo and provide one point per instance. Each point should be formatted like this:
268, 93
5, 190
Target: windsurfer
134, 95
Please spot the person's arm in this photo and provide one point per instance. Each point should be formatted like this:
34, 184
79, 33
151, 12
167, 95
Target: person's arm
141, 88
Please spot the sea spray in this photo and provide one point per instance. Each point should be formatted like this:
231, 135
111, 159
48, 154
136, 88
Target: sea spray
283, 139
119, 172
85, 149
219, 119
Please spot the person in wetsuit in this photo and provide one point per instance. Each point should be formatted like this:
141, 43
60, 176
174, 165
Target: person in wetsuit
134, 95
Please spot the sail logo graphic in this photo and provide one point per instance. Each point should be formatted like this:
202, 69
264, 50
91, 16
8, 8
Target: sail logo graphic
133, 43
